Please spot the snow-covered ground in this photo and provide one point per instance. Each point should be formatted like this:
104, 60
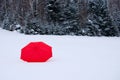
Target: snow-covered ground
74, 58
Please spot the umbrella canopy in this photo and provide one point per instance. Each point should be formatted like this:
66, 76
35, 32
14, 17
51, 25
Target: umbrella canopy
36, 52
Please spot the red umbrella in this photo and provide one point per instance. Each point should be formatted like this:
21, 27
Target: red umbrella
36, 52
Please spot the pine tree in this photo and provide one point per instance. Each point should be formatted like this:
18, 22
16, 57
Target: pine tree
70, 22
53, 11
101, 23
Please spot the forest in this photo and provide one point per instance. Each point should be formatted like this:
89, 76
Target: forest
61, 17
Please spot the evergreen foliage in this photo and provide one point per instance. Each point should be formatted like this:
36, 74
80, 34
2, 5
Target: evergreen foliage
53, 11
60, 17
101, 23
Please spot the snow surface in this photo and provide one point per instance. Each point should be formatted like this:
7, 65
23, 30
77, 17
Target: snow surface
74, 58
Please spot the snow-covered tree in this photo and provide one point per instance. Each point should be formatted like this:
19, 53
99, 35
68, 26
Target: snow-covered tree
53, 11
71, 22
61, 17
114, 11
101, 23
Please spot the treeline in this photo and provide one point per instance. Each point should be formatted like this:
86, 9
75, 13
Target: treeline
61, 17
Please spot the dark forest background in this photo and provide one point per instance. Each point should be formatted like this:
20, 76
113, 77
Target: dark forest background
61, 17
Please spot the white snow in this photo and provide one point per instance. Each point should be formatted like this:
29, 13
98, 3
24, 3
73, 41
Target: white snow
74, 58
18, 26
